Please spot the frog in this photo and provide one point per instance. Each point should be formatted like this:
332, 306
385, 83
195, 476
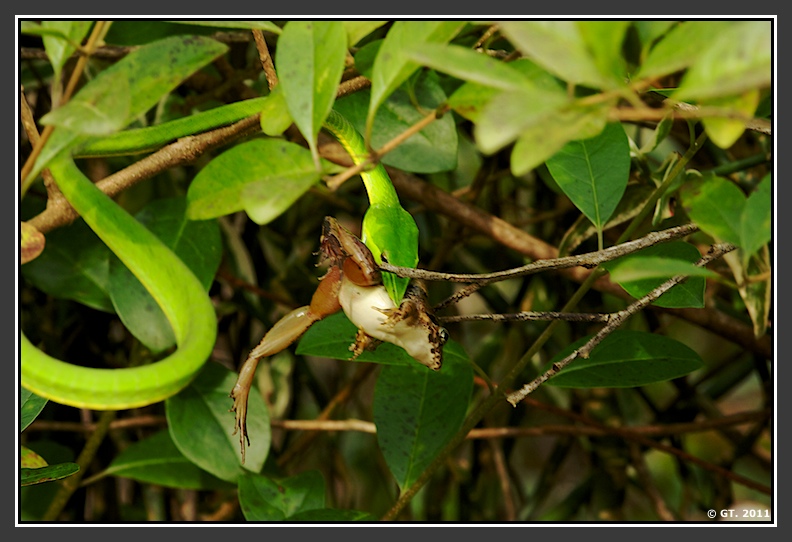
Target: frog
352, 284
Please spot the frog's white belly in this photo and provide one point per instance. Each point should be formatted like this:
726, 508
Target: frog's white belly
367, 307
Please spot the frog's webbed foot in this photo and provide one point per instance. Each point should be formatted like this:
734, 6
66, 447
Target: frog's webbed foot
363, 342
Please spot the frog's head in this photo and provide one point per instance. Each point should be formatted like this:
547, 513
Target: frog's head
425, 342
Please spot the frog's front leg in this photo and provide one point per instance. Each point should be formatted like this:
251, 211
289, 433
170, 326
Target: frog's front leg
287, 330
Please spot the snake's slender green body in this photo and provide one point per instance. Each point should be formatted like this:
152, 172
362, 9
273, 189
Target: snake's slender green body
388, 231
180, 295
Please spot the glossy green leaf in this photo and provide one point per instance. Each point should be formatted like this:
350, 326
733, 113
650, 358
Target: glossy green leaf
155, 136
28, 459
681, 47
275, 117
605, 42
357, 30
29, 477
417, 411
724, 131
470, 99
431, 150
310, 60
201, 425
392, 67
30, 406
738, 60
512, 113
649, 31
125, 90
594, 172
73, 265
156, 460
262, 177
59, 49
468, 65
130, 87
266, 499
266, 26
559, 47
197, 243
721, 209
634, 198
626, 359
540, 142
643, 271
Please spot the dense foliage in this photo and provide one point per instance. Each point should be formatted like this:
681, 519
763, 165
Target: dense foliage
622, 384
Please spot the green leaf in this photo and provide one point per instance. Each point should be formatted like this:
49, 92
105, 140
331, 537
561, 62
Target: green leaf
196, 243
30, 406
266, 499
649, 32
262, 177
392, 67
417, 411
539, 142
738, 60
201, 425
594, 172
266, 26
634, 198
275, 117
431, 150
513, 113
470, 99
58, 48
73, 265
626, 359
605, 41
357, 30
29, 477
127, 89
643, 271
681, 47
721, 210
28, 459
310, 61
724, 131
156, 460
560, 47
468, 65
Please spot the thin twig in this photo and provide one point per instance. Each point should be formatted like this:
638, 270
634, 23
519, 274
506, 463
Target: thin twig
266, 59
185, 150
529, 316
72, 483
715, 252
588, 260
333, 183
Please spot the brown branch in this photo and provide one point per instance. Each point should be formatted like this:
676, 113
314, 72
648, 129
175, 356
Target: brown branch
439, 201
59, 212
115, 425
266, 59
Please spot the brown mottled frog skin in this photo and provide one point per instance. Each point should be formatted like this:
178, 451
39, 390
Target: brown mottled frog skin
353, 283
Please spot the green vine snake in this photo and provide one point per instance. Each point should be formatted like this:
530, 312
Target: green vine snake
389, 231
